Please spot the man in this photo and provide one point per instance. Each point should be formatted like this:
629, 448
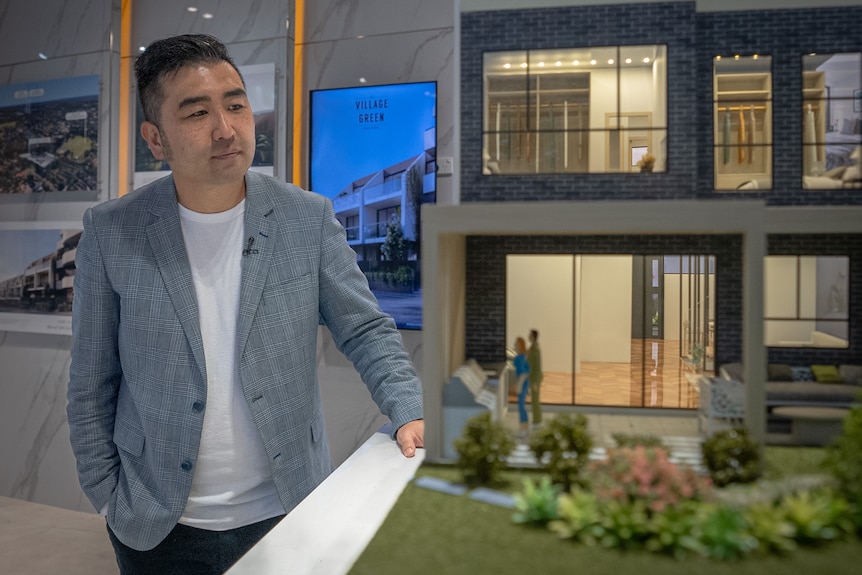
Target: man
534, 358
194, 410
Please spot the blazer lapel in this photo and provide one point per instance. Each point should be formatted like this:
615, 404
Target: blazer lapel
165, 236
260, 232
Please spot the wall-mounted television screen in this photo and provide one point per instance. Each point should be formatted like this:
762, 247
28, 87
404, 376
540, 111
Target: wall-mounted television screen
373, 152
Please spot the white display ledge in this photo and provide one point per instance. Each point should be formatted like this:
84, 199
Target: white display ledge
328, 531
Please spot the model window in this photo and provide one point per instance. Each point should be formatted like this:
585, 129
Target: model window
831, 121
577, 110
742, 116
805, 301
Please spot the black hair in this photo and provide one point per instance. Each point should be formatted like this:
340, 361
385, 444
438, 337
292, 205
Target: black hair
166, 57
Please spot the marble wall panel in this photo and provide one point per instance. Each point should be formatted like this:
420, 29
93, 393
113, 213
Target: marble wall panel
34, 436
231, 22
333, 20
56, 28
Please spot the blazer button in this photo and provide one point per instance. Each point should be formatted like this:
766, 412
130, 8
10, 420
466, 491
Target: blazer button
198, 406
187, 465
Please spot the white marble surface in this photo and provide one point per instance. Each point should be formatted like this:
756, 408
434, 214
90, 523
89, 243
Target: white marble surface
34, 437
328, 531
43, 540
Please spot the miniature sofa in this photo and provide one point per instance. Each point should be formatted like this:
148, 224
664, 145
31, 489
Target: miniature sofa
818, 385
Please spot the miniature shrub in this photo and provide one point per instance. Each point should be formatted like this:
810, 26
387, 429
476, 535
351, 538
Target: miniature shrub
731, 456
537, 504
844, 457
769, 525
646, 474
482, 450
817, 516
724, 533
580, 517
674, 531
635, 439
625, 524
566, 443
639, 499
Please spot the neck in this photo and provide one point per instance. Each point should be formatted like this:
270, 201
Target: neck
210, 200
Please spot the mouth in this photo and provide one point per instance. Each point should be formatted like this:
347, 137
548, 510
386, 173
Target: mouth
226, 155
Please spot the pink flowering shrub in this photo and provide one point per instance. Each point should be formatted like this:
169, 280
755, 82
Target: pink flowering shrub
646, 474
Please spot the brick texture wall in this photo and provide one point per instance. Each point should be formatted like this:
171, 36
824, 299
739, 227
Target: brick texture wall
692, 40
786, 35
486, 280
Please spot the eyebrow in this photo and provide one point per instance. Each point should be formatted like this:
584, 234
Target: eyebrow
192, 100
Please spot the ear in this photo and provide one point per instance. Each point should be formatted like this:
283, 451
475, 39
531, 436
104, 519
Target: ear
151, 135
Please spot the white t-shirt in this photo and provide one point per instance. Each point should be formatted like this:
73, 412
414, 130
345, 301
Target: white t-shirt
232, 484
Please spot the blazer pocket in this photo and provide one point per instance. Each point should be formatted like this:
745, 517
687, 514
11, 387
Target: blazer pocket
290, 282
129, 441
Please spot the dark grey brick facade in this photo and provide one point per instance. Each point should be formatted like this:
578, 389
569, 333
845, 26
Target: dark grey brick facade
692, 40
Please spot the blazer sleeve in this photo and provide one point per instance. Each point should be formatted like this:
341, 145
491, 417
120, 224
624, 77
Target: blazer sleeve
362, 331
95, 374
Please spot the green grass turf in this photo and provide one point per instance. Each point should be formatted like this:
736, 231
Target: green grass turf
438, 534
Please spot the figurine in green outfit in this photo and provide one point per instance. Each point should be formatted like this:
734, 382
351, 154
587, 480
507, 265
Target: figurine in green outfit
534, 359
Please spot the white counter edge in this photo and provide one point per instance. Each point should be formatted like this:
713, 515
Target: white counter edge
328, 531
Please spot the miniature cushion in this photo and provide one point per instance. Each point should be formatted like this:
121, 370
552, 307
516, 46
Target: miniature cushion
779, 372
826, 374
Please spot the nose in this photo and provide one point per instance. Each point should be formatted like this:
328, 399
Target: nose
223, 129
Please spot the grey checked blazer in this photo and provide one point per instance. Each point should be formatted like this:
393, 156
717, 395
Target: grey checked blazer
137, 389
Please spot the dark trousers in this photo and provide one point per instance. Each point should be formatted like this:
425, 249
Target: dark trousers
191, 551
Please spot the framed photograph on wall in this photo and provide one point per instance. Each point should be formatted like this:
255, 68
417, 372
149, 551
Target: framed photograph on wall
857, 100
37, 269
49, 135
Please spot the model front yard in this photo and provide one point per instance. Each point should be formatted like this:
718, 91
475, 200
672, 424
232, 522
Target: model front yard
636, 513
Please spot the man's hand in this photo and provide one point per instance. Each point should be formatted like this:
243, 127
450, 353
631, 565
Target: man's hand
410, 436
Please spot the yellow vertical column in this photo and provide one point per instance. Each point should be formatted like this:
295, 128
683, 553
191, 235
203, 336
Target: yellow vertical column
298, 87
125, 103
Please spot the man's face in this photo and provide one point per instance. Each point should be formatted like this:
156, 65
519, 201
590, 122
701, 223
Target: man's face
206, 126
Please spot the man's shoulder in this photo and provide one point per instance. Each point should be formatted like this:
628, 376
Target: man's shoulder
280, 193
141, 199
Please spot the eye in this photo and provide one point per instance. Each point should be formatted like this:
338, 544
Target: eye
198, 114
236, 107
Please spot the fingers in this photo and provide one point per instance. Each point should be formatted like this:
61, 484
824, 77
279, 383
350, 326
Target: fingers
410, 437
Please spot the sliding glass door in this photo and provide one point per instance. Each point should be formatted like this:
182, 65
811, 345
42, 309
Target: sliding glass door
615, 330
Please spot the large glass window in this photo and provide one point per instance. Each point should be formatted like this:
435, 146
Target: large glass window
806, 301
831, 121
577, 110
618, 329
742, 112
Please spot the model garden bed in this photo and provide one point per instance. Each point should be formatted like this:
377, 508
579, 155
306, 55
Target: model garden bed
814, 527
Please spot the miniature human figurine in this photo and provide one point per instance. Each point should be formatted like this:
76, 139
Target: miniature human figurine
534, 360
522, 378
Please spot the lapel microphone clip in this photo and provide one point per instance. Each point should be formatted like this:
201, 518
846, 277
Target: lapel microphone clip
248, 248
